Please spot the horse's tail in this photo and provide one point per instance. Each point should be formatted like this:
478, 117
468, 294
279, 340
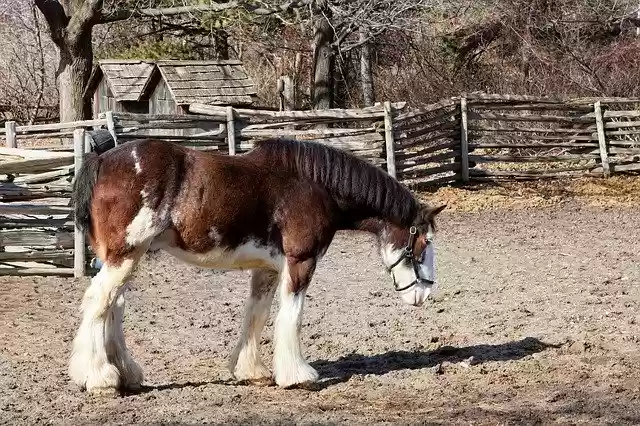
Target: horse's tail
83, 190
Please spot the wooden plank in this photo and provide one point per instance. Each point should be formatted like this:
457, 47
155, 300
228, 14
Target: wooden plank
451, 167
602, 141
27, 272
28, 222
44, 177
482, 128
37, 256
621, 124
434, 148
145, 118
61, 126
351, 114
464, 144
35, 165
530, 158
10, 134
527, 118
531, 107
408, 164
432, 183
622, 114
619, 168
528, 173
79, 234
111, 126
231, 130
410, 143
10, 194
389, 139
256, 132
515, 145
426, 130
408, 124
426, 110
532, 137
36, 238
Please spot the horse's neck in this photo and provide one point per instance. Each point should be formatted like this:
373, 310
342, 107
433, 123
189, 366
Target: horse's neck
372, 225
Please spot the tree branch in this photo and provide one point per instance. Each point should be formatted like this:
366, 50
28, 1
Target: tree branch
124, 14
57, 19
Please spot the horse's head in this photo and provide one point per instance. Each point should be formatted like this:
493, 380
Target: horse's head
409, 255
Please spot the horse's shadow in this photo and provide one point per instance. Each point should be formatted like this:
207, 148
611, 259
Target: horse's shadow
342, 369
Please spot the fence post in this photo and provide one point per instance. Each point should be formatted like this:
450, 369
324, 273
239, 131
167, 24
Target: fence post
231, 131
111, 126
388, 138
79, 237
464, 141
602, 141
10, 128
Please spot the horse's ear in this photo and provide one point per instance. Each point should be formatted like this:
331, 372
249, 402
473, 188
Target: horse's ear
437, 210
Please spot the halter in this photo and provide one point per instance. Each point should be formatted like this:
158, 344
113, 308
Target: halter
407, 253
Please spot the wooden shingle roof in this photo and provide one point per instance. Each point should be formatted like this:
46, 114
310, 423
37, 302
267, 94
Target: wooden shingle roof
221, 82
127, 79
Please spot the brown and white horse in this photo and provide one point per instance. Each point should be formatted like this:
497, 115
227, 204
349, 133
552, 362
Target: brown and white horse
273, 210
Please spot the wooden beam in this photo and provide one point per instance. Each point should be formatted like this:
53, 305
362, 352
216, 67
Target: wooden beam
602, 141
79, 236
10, 134
231, 130
389, 141
464, 141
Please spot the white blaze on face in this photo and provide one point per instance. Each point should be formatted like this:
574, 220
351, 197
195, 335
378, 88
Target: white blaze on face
404, 273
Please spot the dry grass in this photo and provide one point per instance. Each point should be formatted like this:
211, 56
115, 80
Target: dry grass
617, 190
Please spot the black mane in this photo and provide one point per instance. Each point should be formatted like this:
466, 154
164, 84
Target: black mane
344, 175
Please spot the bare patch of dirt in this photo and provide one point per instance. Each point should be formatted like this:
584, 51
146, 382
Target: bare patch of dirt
536, 321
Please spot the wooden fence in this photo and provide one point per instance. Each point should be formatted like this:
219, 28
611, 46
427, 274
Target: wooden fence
37, 230
462, 139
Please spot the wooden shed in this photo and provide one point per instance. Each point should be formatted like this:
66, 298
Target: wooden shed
120, 86
168, 87
176, 84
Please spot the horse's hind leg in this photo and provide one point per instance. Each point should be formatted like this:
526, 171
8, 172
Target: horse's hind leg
99, 360
246, 363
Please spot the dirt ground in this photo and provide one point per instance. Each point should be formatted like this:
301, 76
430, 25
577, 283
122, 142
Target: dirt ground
536, 322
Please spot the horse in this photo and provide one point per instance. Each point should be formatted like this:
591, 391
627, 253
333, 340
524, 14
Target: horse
273, 210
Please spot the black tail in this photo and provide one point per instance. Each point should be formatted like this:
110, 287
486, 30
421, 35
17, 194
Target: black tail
83, 190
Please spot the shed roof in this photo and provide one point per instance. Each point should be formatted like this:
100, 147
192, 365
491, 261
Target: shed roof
127, 79
221, 82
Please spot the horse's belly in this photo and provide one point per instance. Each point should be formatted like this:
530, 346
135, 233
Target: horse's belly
246, 256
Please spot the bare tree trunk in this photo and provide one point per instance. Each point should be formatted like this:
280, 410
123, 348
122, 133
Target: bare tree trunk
323, 57
366, 75
71, 32
73, 73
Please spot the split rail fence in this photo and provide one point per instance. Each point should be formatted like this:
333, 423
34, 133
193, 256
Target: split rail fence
462, 139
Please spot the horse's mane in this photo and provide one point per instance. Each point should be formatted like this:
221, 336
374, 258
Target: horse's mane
344, 175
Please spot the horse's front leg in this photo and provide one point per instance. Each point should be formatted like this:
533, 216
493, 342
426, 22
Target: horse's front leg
290, 368
246, 363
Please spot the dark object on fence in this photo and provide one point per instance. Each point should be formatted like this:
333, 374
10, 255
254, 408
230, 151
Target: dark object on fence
101, 140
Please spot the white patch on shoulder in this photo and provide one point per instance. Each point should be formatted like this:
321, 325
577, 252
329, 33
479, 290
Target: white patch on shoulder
136, 161
249, 255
